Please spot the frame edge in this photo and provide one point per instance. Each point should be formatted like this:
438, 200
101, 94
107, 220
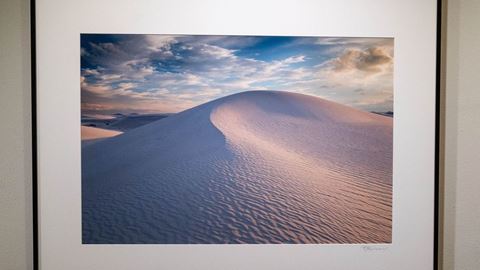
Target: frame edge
33, 74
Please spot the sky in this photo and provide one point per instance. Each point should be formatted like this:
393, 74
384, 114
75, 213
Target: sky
123, 73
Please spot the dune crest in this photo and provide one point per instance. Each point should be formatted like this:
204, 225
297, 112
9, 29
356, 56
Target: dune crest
253, 167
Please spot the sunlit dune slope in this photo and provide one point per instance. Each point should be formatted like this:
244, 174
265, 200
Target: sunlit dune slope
93, 133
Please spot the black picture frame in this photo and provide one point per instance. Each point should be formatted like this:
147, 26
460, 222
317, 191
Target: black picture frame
34, 108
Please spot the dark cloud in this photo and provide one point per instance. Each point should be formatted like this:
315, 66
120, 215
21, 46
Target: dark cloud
370, 60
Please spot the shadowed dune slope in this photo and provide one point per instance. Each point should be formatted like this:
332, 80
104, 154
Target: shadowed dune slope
253, 167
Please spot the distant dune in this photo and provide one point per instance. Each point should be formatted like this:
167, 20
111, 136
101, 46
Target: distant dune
134, 121
254, 167
93, 133
120, 122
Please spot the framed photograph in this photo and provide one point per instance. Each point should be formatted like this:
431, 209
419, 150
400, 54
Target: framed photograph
235, 135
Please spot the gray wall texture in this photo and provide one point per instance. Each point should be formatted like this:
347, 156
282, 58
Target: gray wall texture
461, 185
462, 133
15, 138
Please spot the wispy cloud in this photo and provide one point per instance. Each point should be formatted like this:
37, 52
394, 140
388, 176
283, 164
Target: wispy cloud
157, 73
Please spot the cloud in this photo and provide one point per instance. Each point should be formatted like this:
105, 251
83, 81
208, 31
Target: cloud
158, 43
351, 42
157, 73
362, 78
216, 52
371, 60
294, 59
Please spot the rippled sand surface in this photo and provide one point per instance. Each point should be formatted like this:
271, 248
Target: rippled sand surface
256, 167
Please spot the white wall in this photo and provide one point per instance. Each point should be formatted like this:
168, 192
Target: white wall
462, 146
15, 139
462, 138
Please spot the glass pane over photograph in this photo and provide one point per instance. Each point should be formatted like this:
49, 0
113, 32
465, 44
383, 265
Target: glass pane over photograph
194, 139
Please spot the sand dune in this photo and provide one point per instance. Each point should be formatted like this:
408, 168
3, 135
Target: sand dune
254, 167
120, 122
93, 133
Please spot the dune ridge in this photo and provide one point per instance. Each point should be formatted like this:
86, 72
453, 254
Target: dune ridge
253, 167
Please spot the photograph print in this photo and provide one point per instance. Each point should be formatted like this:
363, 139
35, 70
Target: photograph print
196, 139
